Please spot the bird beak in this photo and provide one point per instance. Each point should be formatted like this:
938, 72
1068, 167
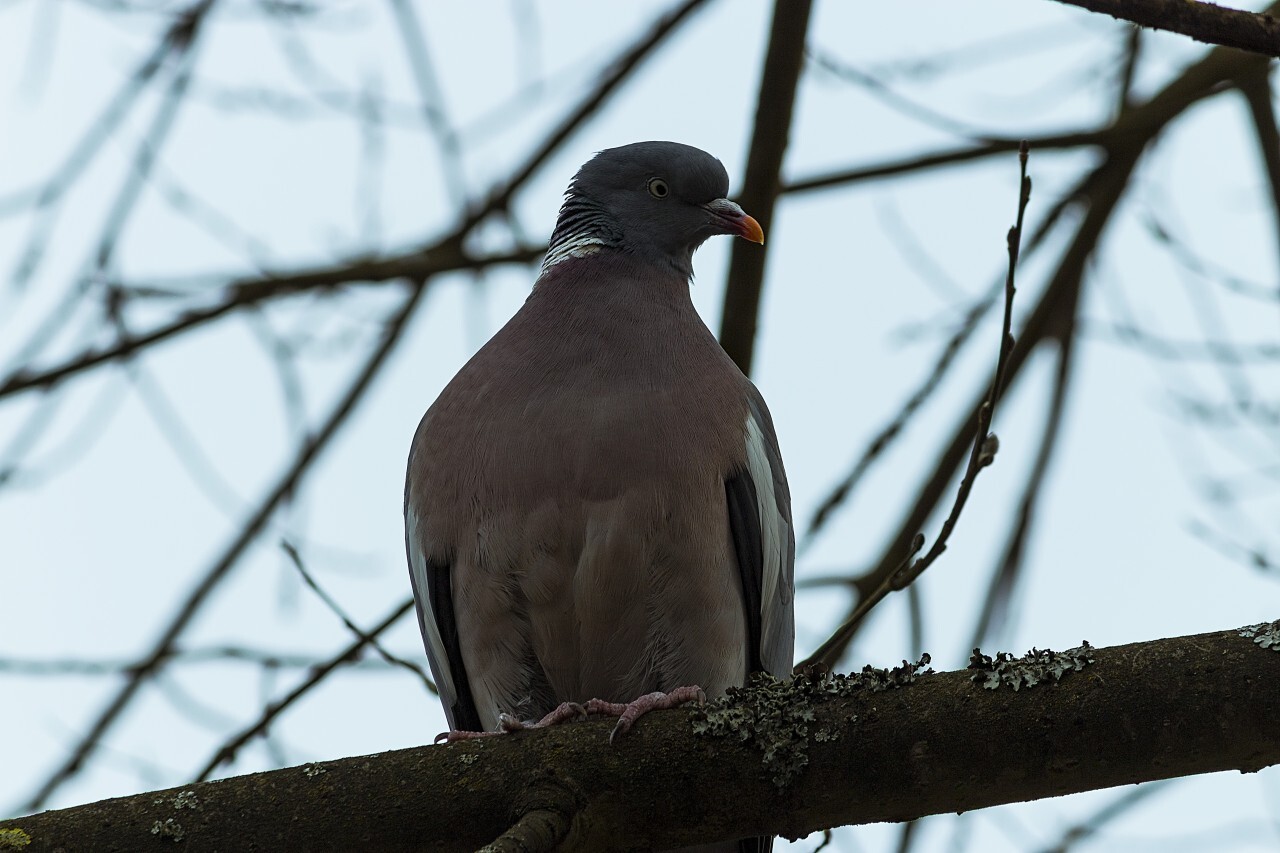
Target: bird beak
734, 220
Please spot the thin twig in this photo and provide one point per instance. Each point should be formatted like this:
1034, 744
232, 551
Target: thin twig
981, 455
228, 750
332, 604
1001, 588
949, 157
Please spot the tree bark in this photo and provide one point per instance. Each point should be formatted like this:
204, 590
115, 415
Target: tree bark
944, 743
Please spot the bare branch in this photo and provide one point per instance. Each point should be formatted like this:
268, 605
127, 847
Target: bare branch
1205, 22
762, 184
953, 157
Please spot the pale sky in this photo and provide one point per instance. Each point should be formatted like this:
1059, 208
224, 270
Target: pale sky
106, 524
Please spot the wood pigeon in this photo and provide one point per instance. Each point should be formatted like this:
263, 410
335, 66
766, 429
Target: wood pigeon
595, 506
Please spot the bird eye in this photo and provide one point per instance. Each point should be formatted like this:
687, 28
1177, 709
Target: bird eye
658, 188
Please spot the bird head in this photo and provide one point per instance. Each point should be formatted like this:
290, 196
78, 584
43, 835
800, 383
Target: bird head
659, 200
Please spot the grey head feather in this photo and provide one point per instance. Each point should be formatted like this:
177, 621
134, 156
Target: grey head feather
613, 203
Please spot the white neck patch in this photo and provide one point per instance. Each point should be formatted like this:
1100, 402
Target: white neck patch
576, 246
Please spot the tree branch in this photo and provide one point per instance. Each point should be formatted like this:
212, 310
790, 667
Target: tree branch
1098, 193
941, 743
162, 650
1206, 22
779, 82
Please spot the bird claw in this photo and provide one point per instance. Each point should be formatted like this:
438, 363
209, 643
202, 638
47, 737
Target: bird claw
508, 723
453, 736
626, 712
629, 712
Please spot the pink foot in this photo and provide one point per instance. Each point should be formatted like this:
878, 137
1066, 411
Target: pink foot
628, 713
507, 723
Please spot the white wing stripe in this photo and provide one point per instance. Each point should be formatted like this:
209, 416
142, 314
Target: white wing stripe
773, 530
436, 653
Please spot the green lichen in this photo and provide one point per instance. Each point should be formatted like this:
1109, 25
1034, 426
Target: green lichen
13, 838
313, 770
777, 717
1265, 634
169, 828
180, 800
468, 758
1029, 670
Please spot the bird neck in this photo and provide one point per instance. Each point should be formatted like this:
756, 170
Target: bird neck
582, 229
613, 280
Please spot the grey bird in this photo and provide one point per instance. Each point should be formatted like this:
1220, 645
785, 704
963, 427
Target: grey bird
595, 506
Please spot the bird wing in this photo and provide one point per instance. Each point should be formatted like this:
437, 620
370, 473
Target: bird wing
433, 595
759, 505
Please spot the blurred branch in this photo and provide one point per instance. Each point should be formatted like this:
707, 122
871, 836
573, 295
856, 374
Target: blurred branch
1098, 193
996, 746
1166, 349
177, 38
310, 450
1128, 69
896, 101
761, 186
229, 750
240, 544
177, 45
1253, 557
337, 610
952, 157
58, 667
610, 79
1091, 825
446, 256
1256, 88
1206, 22
1177, 247
431, 99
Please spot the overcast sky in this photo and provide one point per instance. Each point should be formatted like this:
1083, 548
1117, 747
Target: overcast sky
136, 481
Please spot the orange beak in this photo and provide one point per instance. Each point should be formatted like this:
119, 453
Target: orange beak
735, 220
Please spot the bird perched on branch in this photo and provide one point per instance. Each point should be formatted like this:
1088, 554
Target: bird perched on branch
596, 507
